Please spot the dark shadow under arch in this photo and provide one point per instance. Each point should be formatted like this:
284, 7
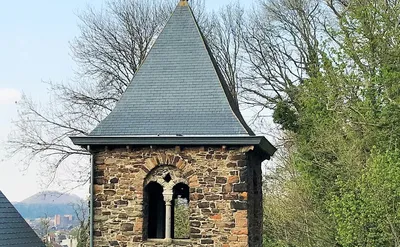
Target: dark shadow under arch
154, 211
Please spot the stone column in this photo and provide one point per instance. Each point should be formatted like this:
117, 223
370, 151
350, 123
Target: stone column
168, 211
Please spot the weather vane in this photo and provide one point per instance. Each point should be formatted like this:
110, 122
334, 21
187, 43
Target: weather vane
183, 2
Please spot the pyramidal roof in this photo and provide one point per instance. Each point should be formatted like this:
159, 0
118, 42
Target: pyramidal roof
177, 91
14, 231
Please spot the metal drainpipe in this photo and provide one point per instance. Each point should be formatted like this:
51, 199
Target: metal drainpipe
91, 196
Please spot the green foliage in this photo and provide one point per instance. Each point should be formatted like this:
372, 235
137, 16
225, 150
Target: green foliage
82, 235
181, 219
290, 217
286, 116
367, 210
341, 182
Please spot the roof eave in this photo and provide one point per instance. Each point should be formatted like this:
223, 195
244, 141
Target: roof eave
258, 141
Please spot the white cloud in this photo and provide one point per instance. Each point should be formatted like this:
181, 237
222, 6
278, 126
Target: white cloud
9, 96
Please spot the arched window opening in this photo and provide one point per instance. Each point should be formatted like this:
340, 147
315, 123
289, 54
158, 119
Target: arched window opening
180, 212
155, 210
166, 205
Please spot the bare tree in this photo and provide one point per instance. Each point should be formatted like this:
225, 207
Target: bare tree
282, 42
225, 39
82, 215
43, 228
112, 44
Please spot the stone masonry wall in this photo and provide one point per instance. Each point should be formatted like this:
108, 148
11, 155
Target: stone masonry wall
217, 177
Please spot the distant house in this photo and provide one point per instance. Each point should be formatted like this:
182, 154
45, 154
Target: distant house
14, 231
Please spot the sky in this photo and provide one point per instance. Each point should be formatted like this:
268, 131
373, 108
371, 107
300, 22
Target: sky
34, 47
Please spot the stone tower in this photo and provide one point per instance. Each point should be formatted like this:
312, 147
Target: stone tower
175, 164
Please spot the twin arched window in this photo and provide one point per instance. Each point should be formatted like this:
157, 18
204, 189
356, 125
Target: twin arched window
166, 205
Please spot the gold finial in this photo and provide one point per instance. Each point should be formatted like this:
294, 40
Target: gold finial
183, 3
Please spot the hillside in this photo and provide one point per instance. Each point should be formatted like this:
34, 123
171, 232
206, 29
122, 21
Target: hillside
52, 197
47, 203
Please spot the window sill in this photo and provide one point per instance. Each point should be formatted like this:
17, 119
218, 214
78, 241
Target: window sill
169, 241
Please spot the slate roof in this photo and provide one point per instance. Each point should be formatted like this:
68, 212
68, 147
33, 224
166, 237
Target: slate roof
178, 90
14, 231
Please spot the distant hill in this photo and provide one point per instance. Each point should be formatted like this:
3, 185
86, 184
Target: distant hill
52, 197
47, 203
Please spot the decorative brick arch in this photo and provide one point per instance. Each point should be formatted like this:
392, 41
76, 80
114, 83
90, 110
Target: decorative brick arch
185, 169
159, 174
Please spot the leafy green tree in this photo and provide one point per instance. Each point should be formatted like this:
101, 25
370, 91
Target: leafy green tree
181, 218
344, 149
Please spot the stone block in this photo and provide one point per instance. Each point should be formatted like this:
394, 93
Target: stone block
221, 180
240, 231
126, 227
113, 243
207, 241
233, 179
203, 204
242, 187
109, 192
239, 205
